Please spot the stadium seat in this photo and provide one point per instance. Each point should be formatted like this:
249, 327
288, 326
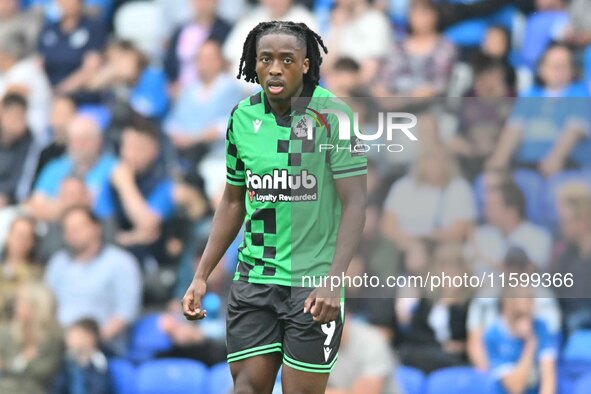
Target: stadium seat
587, 66
531, 185
467, 34
172, 376
583, 385
410, 380
569, 372
459, 380
220, 379
100, 113
141, 23
539, 31
147, 338
123, 376
578, 346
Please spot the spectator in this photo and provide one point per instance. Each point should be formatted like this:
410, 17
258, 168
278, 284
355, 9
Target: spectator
17, 262
521, 351
70, 48
482, 116
484, 309
63, 111
14, 21
573, 254
549, 126
497, 45
131, 81
420, 65
83, 159
365, 362
199, 117
22, 75
507, 226
140, 192
344, 79
93, 279
268, 10
187, 40
436, 336
18, 151
432, 202
358, 31
85, 367
30, 344
578, 32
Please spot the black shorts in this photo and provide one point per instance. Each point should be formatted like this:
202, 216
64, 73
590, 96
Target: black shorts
267, 318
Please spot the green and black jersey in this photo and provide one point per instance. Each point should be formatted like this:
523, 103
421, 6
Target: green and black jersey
289, 166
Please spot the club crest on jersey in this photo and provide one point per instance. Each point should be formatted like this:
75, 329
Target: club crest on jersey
280, 186
301, 128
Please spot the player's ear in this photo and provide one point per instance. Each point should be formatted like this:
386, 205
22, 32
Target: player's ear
306, 65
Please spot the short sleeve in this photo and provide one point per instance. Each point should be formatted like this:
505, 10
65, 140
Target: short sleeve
346, 158
547, 342
234, 164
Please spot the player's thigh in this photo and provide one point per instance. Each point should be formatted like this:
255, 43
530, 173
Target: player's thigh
310, 350
255, 375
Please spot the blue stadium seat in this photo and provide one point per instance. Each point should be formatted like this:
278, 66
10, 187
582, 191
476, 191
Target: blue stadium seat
467, 34
583, 385
147, 338
220, 379
459, 380
569, 372
410, 380
100, 113
587, 65
578, 347
123, 376
172, 376
531, 185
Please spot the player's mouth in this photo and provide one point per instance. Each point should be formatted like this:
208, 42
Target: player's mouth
275, 86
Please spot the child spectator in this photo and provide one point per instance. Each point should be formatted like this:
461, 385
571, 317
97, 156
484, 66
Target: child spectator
521, 351
85, 368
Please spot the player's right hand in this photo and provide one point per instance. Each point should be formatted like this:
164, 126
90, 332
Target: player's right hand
192, 300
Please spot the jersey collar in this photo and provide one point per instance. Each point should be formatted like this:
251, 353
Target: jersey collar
299, 107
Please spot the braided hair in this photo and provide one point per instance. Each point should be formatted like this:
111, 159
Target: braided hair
303, 33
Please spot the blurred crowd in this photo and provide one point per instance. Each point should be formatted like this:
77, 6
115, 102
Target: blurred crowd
112, 122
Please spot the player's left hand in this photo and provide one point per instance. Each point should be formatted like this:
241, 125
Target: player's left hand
324, 305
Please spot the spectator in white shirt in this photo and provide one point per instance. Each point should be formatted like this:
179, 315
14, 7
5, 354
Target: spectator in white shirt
432, 202
506, 226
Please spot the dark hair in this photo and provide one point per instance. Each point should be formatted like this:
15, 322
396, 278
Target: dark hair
433, 6
143, 125
538, 79
512, 196
346, 64
84, 209
90, 326
483, 63
516, 260
14, 99
129, 46
303, 33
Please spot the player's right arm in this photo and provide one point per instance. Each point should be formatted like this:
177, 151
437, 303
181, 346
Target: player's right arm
227, 221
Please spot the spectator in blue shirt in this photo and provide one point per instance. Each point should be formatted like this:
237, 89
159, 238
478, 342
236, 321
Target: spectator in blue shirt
83, 159
140, 195
521, 351
199, 116
71, 47
550, 125
131, 81
91, 279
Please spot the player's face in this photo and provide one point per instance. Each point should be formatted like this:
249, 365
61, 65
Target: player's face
281, 64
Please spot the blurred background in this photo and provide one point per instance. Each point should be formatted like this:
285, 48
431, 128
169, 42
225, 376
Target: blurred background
112, 124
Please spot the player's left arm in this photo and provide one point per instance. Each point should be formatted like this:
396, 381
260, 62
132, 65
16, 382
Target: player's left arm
324, 304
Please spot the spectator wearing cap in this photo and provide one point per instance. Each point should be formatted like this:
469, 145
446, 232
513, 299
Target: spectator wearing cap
71, 47
22, 75
83, 158
18, 151
573, 254
93, 279
507, 226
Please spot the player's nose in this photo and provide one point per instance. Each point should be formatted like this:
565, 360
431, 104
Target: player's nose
275, 68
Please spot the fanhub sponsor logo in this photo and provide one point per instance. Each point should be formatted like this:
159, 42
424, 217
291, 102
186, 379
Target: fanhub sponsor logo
280, 186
